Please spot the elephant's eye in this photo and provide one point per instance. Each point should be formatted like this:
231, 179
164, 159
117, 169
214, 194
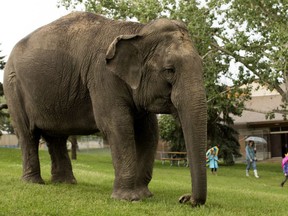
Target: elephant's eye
170, 70
169, 73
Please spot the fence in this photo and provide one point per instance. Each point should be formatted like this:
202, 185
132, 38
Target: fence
84, 142
8, 141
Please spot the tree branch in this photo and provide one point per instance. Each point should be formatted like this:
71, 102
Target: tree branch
241, 60
267, 112
204, 56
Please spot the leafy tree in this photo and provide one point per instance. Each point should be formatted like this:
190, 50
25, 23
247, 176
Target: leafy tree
171, 132
74, 147
220, 131
254, 34
4, 116
2, 62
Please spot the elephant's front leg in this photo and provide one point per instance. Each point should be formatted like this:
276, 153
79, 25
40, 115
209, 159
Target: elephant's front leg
123, 150
146, 137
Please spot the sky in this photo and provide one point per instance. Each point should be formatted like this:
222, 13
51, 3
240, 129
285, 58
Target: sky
18, 18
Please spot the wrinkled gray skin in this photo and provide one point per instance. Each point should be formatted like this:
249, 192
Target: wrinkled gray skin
83, 73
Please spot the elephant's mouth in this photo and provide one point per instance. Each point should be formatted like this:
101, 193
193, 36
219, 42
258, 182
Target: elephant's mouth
162, 105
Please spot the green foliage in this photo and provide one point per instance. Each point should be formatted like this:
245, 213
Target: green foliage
229, 193
220, 130
2, 62
225, 137
5, 124
171, 132
254, 33
1, 89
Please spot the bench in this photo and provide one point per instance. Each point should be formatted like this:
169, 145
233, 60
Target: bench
173, 157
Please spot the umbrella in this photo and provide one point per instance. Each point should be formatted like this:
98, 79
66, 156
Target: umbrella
208, 153
256, 139
215, 149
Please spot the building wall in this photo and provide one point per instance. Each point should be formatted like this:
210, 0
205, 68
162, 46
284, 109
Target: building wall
8, 140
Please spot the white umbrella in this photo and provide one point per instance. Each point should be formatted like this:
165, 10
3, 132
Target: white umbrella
256, 139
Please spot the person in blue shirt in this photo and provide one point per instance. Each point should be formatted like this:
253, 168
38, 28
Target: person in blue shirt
213, 162
251, 158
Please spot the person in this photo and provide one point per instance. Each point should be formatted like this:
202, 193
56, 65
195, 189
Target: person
208, 153
251, 158
213, 161
285, 169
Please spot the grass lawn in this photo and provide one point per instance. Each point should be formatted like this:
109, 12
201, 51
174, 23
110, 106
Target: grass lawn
229, 193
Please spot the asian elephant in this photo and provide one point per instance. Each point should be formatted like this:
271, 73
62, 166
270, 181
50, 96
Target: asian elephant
84, 73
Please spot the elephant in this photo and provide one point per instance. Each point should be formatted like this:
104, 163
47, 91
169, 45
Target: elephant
84, 73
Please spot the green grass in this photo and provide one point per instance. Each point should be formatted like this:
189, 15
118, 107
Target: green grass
229, 193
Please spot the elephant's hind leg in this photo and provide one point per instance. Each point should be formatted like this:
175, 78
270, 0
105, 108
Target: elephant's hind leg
61, 168
30, 158
28, 136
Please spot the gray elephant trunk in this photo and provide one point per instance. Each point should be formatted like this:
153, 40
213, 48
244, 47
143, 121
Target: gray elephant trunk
194, 125
192, 111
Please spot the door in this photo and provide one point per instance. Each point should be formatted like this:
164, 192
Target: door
276, 145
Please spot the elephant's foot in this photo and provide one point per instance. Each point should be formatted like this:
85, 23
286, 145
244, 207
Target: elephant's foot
128, 195
144, 192
33, 179
187, 198
132, 195
63, 179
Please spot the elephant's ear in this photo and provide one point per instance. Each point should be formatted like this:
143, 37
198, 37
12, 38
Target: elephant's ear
124, 59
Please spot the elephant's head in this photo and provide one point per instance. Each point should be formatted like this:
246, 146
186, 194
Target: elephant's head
164, 72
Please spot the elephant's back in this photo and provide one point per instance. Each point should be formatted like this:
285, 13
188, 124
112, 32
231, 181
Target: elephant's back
77, 35
69, 43
78, 30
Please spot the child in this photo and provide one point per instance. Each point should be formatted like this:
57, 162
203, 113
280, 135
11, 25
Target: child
285, 168
213, 161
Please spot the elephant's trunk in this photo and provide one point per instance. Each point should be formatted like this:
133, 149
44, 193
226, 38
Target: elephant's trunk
192, 111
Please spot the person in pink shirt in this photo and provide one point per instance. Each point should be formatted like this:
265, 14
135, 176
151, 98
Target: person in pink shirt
285, 169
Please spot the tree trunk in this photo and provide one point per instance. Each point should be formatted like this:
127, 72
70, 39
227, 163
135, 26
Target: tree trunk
74, 147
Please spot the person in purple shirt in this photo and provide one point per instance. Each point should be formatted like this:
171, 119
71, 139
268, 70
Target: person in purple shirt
285, 169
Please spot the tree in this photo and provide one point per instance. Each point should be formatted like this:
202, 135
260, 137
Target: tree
220, 131
171, 132
5, 124
254, 34
74, 147
2, 62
